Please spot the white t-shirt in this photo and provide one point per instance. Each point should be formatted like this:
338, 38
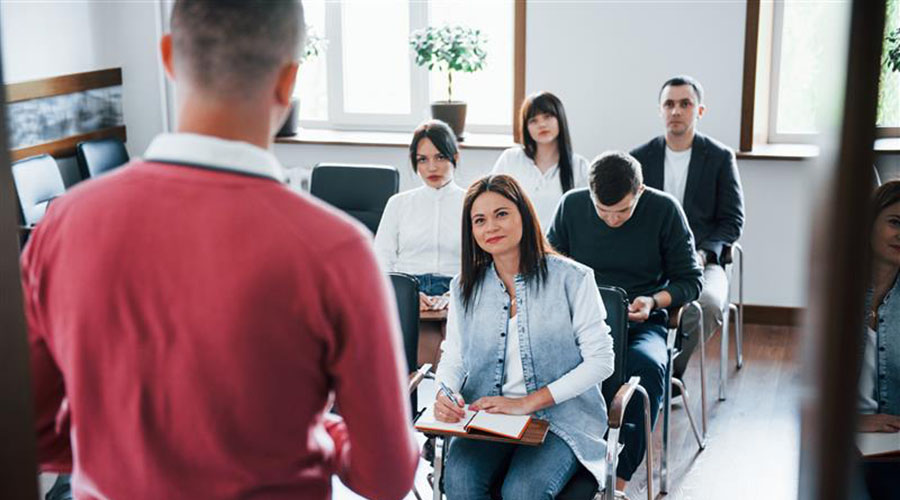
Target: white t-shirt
543, 189
420, 231
867, 403
514, 383
676, 171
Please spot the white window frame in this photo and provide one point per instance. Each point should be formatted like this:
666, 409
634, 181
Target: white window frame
420, 101
774, 136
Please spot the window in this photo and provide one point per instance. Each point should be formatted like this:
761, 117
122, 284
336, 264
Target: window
366, 78
794, 45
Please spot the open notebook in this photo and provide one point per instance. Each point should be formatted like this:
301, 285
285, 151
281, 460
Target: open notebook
511, 426
878, 443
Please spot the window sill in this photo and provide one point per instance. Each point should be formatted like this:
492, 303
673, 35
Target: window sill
885, 145
793, 152
387, 139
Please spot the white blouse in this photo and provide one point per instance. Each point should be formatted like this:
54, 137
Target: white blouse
867, 403
543, 189
420, 231
591, 336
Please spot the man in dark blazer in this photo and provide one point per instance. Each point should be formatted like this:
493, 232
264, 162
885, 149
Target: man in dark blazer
701, 173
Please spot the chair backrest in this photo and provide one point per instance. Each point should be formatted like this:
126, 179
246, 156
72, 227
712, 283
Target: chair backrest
98, 156
406, 290
37, 180
615, 300
360, 190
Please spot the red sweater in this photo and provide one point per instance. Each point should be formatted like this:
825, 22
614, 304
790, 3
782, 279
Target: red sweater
186, 327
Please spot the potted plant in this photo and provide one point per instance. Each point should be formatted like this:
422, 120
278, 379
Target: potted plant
315, 45
450, 48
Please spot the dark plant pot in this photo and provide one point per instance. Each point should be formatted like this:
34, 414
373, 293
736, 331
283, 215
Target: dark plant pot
290, 123
453, 113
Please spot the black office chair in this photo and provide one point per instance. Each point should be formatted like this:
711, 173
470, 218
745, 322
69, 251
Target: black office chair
406, 290
360, 190
38, 181
99, 156
617, 392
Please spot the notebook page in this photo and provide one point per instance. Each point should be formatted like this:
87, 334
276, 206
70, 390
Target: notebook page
428, 422
512, 426
876, 443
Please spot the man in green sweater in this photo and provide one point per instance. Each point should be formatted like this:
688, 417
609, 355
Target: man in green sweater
636, 238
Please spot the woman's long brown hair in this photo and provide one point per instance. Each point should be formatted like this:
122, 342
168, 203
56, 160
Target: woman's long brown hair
533, 246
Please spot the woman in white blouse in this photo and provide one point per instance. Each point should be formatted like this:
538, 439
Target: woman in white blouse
419, 233
544, 164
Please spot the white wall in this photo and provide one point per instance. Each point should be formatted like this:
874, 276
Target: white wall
606, 60
44, 39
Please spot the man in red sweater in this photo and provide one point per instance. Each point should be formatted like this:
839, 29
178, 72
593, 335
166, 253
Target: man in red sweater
190, 316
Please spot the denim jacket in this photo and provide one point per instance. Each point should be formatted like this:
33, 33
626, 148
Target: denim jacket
547, 347
887, 354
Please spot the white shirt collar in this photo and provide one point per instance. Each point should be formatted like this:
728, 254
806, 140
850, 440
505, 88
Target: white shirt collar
216, 153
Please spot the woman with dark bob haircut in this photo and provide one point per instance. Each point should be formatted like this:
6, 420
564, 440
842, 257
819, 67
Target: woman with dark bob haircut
545, 164
526, 330
879, 383
419, 233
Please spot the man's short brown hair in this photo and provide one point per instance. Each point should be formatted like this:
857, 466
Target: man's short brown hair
231, 46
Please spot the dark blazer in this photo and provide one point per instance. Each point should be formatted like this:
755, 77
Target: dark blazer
713, 197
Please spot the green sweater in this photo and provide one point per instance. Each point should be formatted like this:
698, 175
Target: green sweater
652, 251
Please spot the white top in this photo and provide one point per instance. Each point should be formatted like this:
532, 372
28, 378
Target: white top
675, 170
420, 231
867, 403
591, 336
543, 189
213, 152
514, 383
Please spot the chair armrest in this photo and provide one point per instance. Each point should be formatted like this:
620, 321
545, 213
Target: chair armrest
620, 402
416, 377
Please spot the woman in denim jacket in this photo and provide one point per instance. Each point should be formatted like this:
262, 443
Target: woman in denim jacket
526, 330
880, 380
879, 383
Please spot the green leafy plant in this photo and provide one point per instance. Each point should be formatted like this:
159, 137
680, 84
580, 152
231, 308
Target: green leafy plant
450, 48
315, 45
892, 50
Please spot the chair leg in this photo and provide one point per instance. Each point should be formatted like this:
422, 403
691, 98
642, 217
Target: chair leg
648, 435
739, 334
667, 411
612, 463
437, 485
701, 439
723, 357
703, 413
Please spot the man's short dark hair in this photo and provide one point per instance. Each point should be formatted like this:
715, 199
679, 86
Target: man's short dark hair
613, 176
232, 46
679, 80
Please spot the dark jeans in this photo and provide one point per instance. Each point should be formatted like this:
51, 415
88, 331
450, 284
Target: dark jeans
61, 490
882, 480
433, 284
645, 357
475, 468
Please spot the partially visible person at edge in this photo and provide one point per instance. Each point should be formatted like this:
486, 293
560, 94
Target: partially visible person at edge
879, 382
190, 316
528, 328
544, 165
419, 230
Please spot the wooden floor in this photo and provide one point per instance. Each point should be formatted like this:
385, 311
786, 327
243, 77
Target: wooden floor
753, 437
